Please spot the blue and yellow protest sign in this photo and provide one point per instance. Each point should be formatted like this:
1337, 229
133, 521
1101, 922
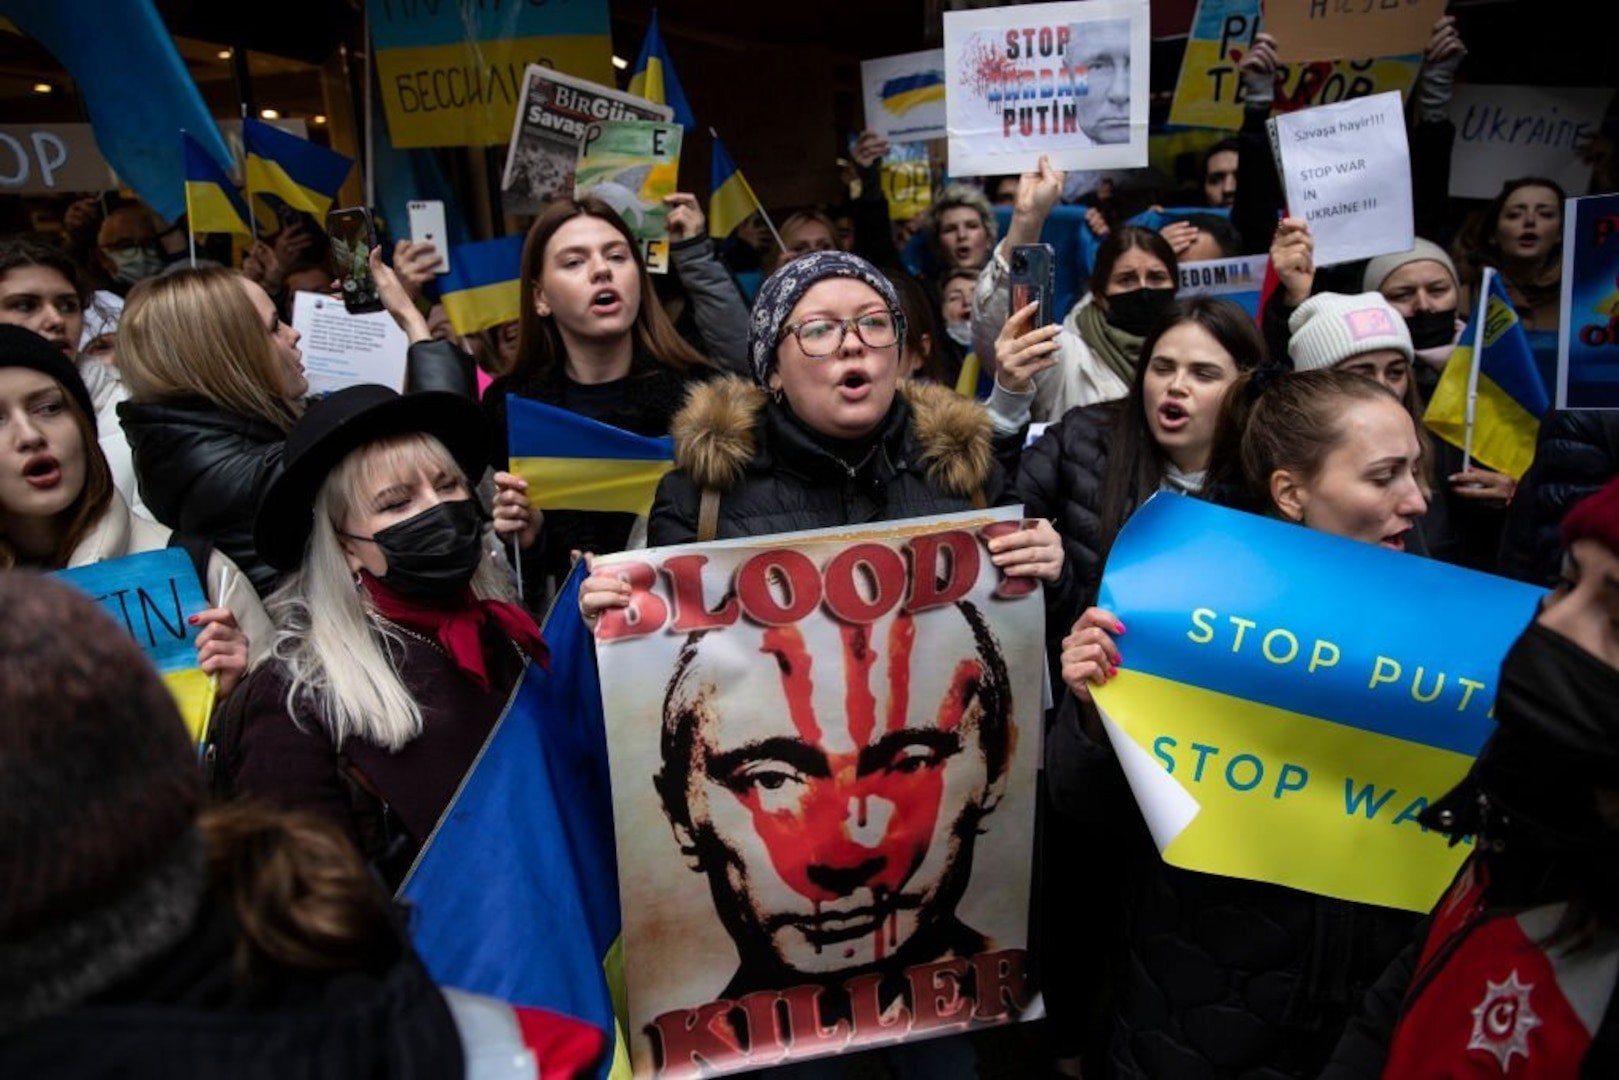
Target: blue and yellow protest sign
1588, 340
451, 73
152, 595
574, 463
1209, 90
1293, 700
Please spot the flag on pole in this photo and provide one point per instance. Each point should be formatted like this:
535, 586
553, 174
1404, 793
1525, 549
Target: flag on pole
134, 86
1490, 398
301, 174
515, 895
574, 463
654, 76
731, 200
483, 287
212, 203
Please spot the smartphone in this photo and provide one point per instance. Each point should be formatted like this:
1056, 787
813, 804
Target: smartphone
353, 236
1034, 269
427, 227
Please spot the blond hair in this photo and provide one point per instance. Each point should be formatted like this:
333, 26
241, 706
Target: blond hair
195, 333
339, 658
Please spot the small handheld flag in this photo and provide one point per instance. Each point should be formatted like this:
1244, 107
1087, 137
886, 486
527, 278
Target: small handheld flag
301, 174
731, 200
654, 76
574, 463
483, 287
212, 204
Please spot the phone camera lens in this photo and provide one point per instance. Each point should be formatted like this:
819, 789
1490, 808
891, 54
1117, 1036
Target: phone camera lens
1020, 263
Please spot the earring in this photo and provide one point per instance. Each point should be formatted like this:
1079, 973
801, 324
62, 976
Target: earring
359, 582
776, 395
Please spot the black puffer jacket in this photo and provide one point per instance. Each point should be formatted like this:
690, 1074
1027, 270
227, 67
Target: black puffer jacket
202, 470
653, 393
933, 455
1577, 453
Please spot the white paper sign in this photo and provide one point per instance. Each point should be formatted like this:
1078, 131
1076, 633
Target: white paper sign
1504, 132
1069, 80
347, 350
905, 95
1347, 169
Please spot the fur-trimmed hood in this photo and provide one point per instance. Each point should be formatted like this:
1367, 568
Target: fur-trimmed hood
717, 434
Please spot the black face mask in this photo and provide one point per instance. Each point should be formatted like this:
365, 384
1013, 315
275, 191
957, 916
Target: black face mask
1431, 329
1136, 311
1551, 686
433, 555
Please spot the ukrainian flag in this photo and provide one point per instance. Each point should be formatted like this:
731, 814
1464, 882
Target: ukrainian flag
574, 463
212, 204
731, 200
483, 287
301, 174
654, 77
515, 895
903, 93
1490, 399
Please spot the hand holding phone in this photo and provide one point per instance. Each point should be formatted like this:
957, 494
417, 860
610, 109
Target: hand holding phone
353, 236
1032, 280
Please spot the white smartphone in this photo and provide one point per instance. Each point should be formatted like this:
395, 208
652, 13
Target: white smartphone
427, 227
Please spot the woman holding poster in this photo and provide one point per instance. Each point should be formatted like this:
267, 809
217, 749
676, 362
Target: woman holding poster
1333, 451
59, 508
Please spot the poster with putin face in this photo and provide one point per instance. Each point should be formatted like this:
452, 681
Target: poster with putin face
1067, 80
823, 750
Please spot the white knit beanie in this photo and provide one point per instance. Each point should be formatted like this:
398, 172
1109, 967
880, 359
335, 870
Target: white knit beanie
1379, 269
1330, 328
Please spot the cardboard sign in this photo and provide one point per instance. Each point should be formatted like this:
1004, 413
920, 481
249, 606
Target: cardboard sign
823, 749
451, 74
341, 349
632, 165
905, 96
1349, 29
1588, 333
1069, 80
1504, 132
1347, 171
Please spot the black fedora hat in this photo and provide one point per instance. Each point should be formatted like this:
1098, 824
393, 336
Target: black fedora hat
343, 422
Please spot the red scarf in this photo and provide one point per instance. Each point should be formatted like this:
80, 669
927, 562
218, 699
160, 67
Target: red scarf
457, 625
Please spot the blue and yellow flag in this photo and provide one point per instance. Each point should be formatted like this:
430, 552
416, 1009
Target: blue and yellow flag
1276, 726
152, 595
905, 92
212, 204
483, 287
731, 200
1490, 398
299, 173
654, 78
515, 895
574, 463
135, 88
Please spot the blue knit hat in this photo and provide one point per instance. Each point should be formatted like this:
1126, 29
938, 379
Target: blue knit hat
782, 291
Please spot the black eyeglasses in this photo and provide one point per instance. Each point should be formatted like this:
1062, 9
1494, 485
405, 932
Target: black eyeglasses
822, 337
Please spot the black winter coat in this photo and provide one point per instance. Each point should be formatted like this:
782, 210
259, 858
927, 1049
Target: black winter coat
1578, 452
653, 393
202, 470
933, 455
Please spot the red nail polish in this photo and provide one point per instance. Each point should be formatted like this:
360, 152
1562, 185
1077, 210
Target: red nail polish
1112, 671
1121, 626
192, 620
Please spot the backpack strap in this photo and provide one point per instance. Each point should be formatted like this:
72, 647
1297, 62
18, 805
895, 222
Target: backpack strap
708, 514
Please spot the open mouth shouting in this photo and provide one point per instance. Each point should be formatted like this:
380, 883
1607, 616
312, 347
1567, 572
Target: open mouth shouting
42, 472
854, 386
1395, 541
1172, 416
605, 302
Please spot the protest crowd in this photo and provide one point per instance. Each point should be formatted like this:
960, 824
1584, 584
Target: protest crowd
397, 618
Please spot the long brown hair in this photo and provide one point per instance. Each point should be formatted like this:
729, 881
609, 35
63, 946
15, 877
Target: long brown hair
540, 349
1130, 238
1135, 462
195, 333
87, 509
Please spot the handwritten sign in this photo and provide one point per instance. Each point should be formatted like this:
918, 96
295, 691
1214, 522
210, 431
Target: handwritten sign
1347, 170
1504, 132
905, 96
1347, 29
1068, 80
1209, 91
151, 595
1588, 334
450, 74
342, 350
